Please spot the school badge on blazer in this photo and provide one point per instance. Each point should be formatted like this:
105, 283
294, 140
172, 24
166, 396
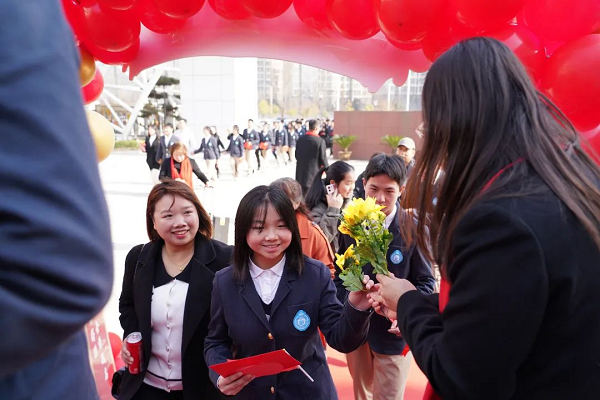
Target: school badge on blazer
396, 257
301, 321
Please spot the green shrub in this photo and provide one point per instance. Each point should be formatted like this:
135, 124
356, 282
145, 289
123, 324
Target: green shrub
344, 141
391, 140
127, 144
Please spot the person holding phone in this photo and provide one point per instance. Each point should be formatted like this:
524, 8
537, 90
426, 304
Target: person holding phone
327, 197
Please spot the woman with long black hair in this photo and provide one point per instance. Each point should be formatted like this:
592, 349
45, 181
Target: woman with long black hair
326, 207
515, 231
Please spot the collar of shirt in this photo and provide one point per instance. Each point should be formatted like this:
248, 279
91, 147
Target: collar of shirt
390, 218
312, 133
277, 269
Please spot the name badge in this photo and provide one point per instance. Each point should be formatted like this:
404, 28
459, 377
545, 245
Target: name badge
301, 321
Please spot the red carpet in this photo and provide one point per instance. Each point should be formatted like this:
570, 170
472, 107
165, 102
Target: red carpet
343, 382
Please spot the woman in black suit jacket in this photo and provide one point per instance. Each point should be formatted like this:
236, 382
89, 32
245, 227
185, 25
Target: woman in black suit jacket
516, 232
166, 296
176, 164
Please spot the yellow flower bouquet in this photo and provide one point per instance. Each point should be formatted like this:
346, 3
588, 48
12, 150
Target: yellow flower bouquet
364, 222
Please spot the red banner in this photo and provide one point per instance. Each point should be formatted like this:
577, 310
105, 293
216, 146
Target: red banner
101, 357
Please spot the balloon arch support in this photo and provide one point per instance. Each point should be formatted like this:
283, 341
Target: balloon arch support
371, 41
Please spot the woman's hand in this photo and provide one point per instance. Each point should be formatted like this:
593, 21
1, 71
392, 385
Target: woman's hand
232, 385
391, 289
359, 300
126, 355
376, 302
335, 200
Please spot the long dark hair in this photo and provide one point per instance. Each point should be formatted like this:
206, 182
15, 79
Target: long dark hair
254, 206
336, 172
292, 188
481, 113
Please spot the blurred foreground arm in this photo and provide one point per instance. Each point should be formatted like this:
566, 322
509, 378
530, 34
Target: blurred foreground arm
56, 257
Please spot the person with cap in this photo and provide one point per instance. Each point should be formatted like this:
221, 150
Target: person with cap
406, 149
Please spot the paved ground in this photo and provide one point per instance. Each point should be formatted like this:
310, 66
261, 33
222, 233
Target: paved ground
127, 182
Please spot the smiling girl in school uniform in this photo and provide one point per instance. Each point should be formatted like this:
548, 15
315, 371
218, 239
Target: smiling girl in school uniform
272, 298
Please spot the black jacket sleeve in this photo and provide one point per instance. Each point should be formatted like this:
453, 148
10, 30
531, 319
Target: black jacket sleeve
165, 169
197, 171
323, 155
128, 317
473, 349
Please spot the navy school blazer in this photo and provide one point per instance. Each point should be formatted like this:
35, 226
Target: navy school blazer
404, 262
239, 328
236, 146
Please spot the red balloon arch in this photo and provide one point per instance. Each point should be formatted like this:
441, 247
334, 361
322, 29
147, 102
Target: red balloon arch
368, 40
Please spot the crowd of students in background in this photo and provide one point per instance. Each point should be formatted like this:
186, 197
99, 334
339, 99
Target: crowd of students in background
256, 145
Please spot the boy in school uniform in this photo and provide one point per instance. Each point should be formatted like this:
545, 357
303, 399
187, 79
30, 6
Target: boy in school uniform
379, 368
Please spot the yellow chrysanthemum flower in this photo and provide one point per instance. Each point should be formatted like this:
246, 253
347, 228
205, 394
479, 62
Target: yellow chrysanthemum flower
344, 228
341, 259
359, 209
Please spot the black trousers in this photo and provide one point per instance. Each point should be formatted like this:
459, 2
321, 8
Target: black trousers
257, 154
148, 392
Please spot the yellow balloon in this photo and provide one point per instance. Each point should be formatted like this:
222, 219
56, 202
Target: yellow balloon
102, 133
87, 69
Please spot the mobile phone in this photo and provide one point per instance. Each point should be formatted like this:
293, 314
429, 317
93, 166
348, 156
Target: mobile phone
330, 189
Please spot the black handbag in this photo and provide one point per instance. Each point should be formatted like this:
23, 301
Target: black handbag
116, 382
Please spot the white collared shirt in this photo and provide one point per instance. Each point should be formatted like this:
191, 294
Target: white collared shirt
266, 281
167, 309
390, 218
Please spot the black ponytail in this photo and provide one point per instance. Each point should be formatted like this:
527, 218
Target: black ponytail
316, 193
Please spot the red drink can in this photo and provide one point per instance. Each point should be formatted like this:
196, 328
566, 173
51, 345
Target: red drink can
135, 348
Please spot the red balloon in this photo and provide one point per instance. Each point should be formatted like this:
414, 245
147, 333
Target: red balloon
570, 78
482, 15
313, 13
353, 19
181, 9
116, 4
407, 22
111, 30
114, 58
407, 46
440, 39
93, 90
74, 15
526, 46
266, 8
115, 344
229, 9
156, 21
561, 20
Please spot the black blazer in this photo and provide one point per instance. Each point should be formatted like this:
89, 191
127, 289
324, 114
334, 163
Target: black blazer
252, 137
310, 156
236, 146
404, 262
210, 148
165, 170
281, 137
239, 329
163, 149
523, 317
151, 152
135, 307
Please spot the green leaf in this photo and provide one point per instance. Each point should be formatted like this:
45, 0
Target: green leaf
351, 281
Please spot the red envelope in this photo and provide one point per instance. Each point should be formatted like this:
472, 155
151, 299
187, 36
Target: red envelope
265, 364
